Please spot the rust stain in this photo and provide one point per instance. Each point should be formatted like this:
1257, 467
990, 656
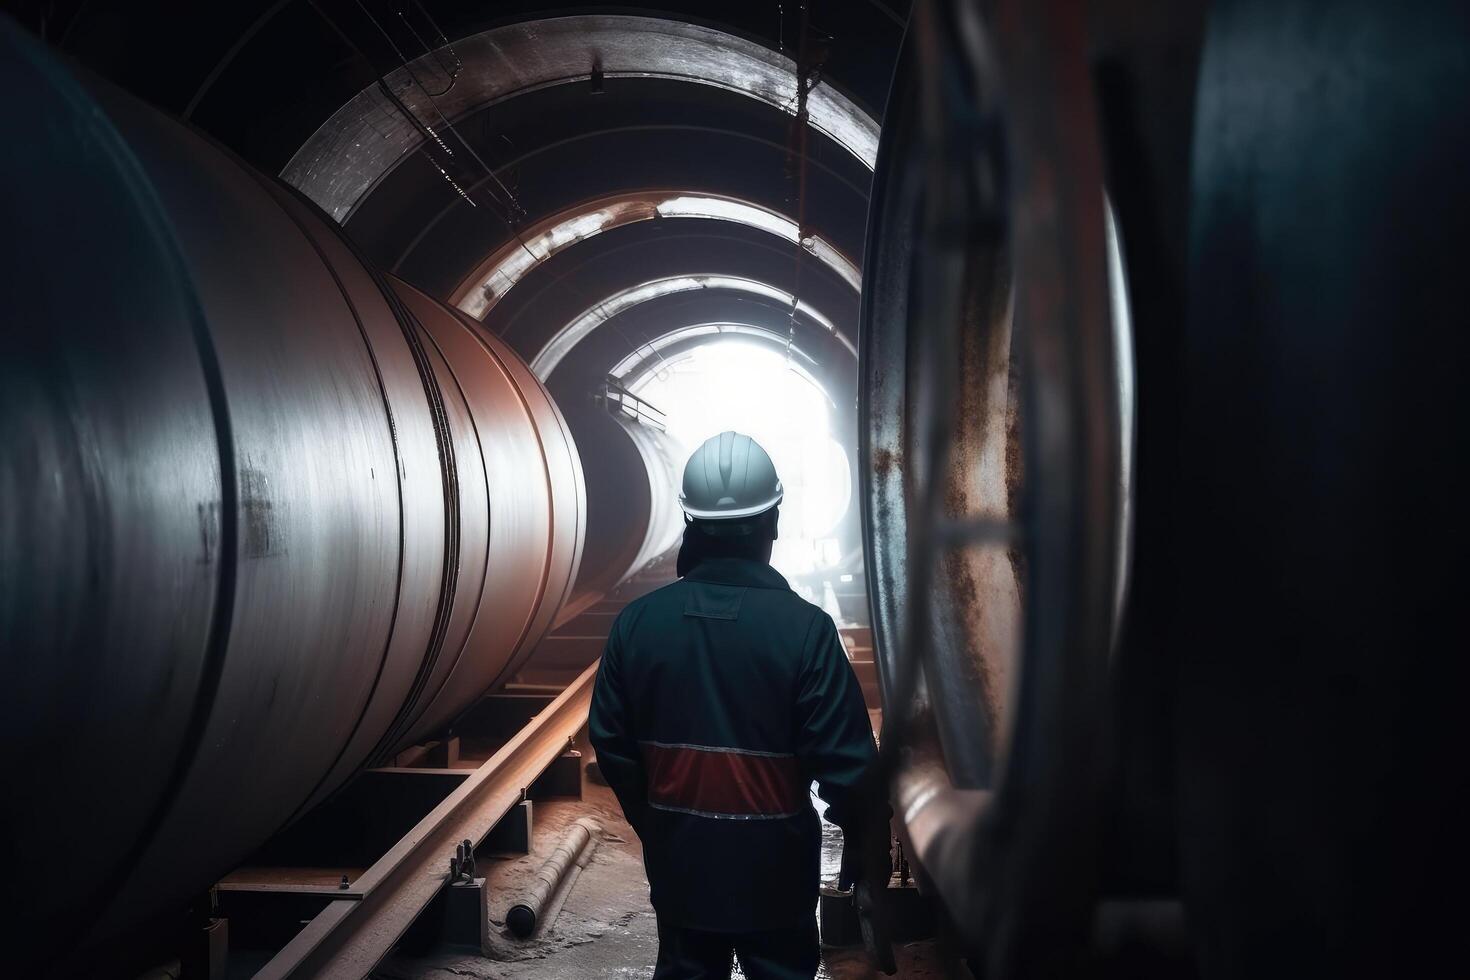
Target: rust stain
965, 596
1015, 473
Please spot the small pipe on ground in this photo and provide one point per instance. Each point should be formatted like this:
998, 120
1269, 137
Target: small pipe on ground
580, 838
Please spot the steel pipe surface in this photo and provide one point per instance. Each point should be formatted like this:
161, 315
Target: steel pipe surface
267, 515
640, 521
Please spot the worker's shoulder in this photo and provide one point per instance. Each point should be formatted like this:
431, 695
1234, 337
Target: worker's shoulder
673, 597
665, 596
792, 607
788, 598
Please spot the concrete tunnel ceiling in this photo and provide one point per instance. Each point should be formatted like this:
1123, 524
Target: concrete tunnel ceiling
479, 293
369, 136
568, 337
357, 150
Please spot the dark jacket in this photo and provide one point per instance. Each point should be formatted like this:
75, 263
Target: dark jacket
720, 699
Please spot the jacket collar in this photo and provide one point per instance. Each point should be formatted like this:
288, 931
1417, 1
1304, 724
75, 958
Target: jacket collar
737, 571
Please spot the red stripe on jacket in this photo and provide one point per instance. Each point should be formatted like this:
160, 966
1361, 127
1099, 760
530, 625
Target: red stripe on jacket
722, 782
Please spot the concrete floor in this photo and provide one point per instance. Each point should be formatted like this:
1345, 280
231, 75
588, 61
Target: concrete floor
601, 926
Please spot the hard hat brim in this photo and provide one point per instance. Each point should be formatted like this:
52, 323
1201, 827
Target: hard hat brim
729, 515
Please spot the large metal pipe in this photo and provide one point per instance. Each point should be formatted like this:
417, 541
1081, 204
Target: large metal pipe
267, 515
639, 521
992, 421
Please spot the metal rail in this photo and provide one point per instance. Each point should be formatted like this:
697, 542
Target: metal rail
351, 935
621, 401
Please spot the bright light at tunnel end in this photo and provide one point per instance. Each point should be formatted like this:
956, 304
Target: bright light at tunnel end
728, 384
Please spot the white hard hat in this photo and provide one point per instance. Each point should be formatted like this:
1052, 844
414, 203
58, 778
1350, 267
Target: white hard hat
729, 477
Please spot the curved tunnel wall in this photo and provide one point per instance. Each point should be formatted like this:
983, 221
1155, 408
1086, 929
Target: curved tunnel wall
501, 63
499, 272
268, 514
571, 148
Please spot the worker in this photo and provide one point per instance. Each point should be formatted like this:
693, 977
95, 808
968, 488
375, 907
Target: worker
720, 699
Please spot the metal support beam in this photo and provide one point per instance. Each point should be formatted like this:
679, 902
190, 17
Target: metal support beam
348, 938
512, 835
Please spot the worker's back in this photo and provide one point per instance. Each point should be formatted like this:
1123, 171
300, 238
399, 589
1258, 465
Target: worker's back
720, 699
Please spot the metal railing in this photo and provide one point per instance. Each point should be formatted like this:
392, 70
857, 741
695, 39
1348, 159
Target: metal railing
619, 401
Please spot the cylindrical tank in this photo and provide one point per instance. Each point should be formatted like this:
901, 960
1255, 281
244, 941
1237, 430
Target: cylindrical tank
267, 516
